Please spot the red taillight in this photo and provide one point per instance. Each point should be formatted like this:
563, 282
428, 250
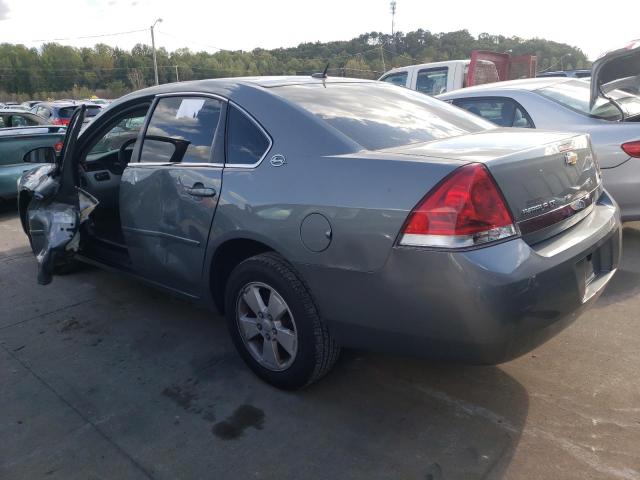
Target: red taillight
60, 121
464, 210
58, 146
632, 148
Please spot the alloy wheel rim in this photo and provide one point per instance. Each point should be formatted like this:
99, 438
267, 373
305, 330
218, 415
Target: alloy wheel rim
267, 326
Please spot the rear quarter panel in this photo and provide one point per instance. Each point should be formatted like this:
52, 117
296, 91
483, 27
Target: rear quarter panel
365, 199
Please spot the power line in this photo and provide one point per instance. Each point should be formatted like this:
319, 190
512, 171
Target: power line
187, 40
84, 37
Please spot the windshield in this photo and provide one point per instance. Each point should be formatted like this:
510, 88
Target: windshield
379, 115
575, 95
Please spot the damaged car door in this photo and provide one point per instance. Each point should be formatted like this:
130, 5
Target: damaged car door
58, 207
169, 190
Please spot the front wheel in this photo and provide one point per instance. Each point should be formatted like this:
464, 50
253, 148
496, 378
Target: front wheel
275, 325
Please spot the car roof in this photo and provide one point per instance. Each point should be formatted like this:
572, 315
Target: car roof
228, 86
57, 104
528, 84
15, 110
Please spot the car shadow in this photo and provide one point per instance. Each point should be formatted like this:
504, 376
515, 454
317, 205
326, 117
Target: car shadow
439, 421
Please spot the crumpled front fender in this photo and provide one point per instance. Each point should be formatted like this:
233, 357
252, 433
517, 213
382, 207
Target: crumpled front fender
53, 220
53, 228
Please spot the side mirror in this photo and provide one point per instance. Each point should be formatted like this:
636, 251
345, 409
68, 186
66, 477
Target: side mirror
40, 155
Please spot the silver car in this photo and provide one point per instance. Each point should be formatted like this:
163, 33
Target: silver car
323, 213
608, 108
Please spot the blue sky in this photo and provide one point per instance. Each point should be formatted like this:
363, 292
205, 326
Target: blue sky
242, 24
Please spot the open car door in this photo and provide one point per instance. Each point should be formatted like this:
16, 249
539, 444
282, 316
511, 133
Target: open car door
58, 207
612, 69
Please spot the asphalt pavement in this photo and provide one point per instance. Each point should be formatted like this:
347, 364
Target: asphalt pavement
102, 377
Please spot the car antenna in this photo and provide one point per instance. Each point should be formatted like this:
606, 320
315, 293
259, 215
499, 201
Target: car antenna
321, 75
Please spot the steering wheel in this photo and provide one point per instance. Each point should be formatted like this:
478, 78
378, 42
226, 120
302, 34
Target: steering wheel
122, 159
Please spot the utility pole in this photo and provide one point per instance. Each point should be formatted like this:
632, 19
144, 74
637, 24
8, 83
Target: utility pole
393, 17
153, 48
384, 68
177, 76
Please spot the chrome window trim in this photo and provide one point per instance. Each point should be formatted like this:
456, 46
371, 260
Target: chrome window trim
192, 94
260, 127
169, 164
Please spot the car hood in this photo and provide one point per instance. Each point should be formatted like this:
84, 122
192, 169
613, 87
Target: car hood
614, 66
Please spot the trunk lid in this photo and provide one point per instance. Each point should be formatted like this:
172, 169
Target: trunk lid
612, 68
550, 180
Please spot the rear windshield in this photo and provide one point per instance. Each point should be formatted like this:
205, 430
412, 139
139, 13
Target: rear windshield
379, 115
575, 95
66, 112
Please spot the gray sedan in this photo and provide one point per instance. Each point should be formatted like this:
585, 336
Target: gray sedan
566, 104
323, 213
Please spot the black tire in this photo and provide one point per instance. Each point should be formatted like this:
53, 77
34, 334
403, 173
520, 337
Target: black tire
317, 351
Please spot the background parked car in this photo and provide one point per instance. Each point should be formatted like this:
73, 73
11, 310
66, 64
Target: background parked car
31, 103
20, 118
59, 113
14, 144
483, 67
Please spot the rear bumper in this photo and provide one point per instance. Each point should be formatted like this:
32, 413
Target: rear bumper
480, 306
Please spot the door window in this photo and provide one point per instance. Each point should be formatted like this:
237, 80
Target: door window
432, 81
2, 125
126, 129
247, 143
399, 79
504, 112
181, 130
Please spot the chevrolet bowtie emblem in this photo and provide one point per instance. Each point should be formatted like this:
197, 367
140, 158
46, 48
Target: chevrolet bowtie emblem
570, 158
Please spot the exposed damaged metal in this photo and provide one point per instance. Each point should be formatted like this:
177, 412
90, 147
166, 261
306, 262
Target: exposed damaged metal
57, 208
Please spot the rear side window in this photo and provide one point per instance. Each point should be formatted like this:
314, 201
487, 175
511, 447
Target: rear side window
501, 111
399, 79
2, 125
24, 121
92, 111
247, 143
66, 112
181, 130
432, 81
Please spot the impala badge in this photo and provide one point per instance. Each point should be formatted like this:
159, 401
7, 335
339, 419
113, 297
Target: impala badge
278, 160
570, 158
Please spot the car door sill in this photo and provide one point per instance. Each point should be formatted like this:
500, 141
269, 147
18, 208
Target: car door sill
119, 268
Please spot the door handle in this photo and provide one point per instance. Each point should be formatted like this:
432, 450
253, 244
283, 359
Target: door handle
199, 190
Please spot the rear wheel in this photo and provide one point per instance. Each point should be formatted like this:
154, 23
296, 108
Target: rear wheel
275, 325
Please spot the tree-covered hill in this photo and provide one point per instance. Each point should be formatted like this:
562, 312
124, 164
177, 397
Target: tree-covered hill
55, 70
